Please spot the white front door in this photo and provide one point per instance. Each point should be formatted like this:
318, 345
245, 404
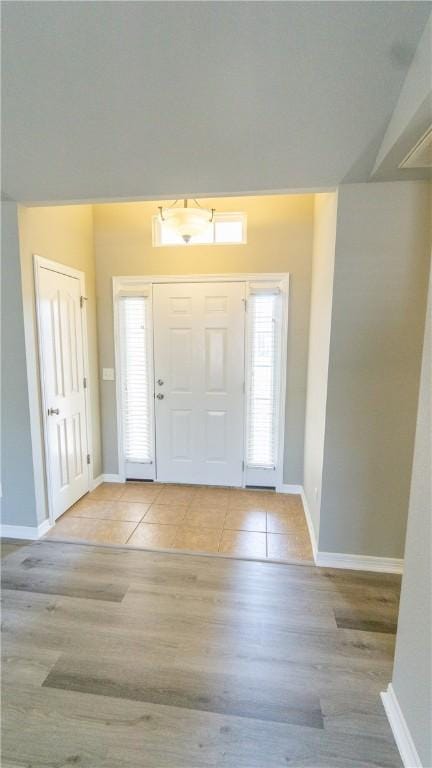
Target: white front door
199, 382
62, 374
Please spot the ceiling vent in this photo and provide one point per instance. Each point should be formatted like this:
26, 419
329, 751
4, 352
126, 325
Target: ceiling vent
420, 156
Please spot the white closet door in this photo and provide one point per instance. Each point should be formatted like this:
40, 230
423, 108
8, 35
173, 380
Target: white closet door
62, 364
199, 375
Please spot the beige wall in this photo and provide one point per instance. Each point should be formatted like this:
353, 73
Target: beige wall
280, 232
63, 234
319, 344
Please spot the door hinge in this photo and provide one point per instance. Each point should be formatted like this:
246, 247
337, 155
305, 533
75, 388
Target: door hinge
88, 458
243, 466
245, 304
82, 300
85, 382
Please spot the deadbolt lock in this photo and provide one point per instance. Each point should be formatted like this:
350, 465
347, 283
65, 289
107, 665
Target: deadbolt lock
160, 382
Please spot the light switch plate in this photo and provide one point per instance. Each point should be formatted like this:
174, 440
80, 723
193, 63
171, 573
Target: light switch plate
108, 374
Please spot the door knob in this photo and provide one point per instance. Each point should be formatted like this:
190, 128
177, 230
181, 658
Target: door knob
53, 411
160, 382
160, 396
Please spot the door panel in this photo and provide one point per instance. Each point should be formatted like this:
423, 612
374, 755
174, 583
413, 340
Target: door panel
199, 356
215, 360
62, 364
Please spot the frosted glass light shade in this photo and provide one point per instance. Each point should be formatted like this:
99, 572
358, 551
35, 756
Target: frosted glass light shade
187, 222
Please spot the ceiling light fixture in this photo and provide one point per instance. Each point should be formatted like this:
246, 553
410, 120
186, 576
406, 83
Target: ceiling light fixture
187, 222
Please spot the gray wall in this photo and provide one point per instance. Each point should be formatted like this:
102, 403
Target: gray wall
412, 674
319, 343
379, 301
280, 233
18, 501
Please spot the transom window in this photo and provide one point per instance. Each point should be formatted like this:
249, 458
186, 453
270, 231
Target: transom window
225, 229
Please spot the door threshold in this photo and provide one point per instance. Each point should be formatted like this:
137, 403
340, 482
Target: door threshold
182, 552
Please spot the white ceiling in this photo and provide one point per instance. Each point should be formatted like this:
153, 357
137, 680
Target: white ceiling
118, 100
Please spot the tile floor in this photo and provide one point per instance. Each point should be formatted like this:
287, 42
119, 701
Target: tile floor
228, 521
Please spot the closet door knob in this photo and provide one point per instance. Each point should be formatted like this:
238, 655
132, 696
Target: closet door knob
160, 396
53, 411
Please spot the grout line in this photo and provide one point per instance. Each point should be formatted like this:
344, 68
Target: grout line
266, 537
220, 537
129, 537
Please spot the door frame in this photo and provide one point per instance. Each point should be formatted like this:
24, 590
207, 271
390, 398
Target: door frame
40, 262
122, 283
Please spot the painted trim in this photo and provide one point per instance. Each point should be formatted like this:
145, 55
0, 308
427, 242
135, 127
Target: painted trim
107, 478
95, 482
235, 277
31, 532
359, 562
341, 559
310, 525
287, 488
40, 262
283, 362
401, 732
120, 282
298, 489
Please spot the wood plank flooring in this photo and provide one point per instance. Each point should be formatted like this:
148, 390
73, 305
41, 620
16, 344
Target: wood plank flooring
120, 658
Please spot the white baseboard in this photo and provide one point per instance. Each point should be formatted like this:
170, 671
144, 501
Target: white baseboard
359, 562
342, 559
310, 524
95, 482
31, 532
286, 488
401, 732
112, 479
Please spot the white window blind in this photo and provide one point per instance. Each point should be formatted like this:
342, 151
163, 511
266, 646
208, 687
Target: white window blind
135, 377
263, 379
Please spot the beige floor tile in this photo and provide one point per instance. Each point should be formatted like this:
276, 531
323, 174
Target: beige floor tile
92, 530
243, 543
204, 517
197, 539
106, 492
165, 514
246, 520
280, 547
279, 521
212, 497
291, 502
244, 499
153, 535
177, 495
146, 493
124, 511
88, 508
130, 511
203, 504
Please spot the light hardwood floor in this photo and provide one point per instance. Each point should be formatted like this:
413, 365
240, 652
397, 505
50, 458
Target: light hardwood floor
243, 523
121, 658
